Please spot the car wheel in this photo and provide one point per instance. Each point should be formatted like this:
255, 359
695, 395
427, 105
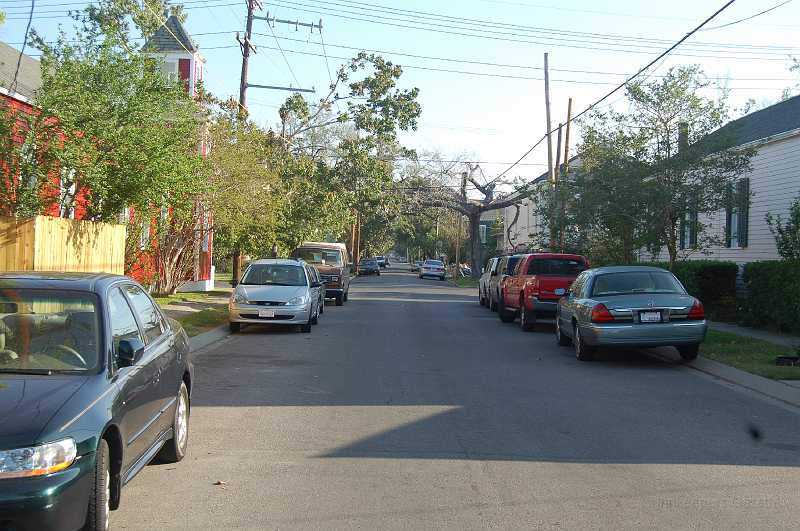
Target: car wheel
481, 300
234, 327
505, 315
315, 319
306, 328
322, 306
582, 351
339, 300
527, 319
346, 295
100, 496
492, 305
175, 449
689, 352
561, 339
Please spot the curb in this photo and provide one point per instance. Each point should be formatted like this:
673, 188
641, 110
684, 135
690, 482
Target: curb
206, 338
771, 388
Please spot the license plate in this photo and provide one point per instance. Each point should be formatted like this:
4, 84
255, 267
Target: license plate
650, 317
266, 313
559, 291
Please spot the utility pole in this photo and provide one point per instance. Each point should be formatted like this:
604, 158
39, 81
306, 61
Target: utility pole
566, 137
559, 218
550, 172
460, 217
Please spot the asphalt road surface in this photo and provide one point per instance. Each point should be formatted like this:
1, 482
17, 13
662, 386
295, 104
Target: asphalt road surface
412, 407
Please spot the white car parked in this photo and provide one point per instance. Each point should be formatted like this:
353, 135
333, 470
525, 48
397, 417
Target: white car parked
432, 268
277, 291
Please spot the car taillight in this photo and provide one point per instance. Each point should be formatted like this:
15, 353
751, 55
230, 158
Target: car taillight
697, 312
600, 314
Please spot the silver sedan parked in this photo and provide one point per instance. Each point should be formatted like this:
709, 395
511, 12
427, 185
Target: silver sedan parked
636, 306
277, 291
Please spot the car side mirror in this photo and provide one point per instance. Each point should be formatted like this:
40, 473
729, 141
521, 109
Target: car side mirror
494, 273
130, 351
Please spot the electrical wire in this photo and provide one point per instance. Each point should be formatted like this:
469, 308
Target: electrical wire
773, 8
625, 83
13, 86
291, 71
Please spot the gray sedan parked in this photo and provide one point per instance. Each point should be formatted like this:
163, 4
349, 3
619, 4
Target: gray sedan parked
635, 306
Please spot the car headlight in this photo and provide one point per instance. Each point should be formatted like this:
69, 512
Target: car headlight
38, 460
239, 297
297, 301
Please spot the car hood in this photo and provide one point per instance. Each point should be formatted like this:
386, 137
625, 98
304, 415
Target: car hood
29, 402
272, 293
644, 300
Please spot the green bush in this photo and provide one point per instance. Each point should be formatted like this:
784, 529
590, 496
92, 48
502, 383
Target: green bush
774, 294
711, 281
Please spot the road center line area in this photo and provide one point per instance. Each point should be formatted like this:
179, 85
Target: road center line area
408, 408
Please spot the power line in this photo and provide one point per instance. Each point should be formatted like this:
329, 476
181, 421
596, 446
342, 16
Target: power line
13, 85
773, 8
283, 54
631, 78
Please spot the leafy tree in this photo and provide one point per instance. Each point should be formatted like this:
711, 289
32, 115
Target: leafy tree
787, 234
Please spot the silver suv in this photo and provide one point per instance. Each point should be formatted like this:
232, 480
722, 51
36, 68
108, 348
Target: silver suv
277, 291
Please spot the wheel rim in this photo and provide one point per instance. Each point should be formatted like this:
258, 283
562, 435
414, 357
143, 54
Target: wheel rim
181, 423
108, 501
523, 320
578, 345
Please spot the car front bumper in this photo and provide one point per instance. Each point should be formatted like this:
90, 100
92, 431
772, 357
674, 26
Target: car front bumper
248, 313
674, 333
55, 502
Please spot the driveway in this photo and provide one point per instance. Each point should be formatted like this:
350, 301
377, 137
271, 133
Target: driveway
412, 407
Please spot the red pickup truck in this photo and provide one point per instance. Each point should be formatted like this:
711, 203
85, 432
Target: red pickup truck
539, 280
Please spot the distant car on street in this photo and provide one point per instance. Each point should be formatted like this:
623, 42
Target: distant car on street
333, 263
369, 266
432, 268
630, 306
276, 291
416, 265
382, 261
538, 281
96, 383
483, 283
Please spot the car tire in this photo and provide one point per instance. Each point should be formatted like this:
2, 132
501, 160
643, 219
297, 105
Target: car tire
689, 352
481, 300
527, 319
492, 305
234, 327
315, 319
346, 295
561, 339
583, 352
378, 273
322, 306
339, 300
175, 449
100, 496
306, 328
505, 315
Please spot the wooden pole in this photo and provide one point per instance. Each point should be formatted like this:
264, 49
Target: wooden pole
547, 114
566, 137
557, 167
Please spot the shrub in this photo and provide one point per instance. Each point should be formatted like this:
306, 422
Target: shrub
774, 293
711, 281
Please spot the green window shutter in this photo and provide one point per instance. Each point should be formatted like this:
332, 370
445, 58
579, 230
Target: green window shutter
693, 227
682, 232
743, 196
728, 216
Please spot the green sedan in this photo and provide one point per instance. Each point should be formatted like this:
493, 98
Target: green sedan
629, 306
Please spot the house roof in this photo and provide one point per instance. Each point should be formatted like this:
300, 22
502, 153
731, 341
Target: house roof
29, 79
171, 37
775, 119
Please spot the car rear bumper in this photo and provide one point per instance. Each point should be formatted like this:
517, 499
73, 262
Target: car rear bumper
543, 307
332, 293
645, 335
55, 502
245, 313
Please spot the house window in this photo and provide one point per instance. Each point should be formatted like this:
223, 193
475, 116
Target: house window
737, 214
482, 231
688, 228
170, 70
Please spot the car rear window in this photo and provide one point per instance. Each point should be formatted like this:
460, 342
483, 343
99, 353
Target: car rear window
330, 257
625, 283
512, 264
49, 330
435, 263
568, 267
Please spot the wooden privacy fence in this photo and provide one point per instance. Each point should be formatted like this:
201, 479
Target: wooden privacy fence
55, 244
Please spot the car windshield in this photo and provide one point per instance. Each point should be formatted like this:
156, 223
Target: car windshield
625, 283
329, 257
369, 262
274, 274
435, 263
567, 267
48, 331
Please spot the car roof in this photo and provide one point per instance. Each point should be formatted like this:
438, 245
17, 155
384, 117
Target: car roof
93, 282
626, 269
279, 261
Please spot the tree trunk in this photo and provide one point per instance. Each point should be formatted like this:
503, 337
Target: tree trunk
237, 267
476, 260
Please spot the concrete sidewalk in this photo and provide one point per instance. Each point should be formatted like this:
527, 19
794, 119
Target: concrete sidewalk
785, 340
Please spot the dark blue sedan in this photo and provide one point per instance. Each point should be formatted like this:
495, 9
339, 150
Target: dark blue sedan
95, 383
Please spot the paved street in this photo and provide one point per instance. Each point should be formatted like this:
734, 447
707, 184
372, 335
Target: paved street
412, 407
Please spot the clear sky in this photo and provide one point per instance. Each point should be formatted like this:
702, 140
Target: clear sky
591, 45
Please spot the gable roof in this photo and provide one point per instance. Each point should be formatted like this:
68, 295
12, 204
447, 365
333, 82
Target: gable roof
29, 79
171, 37
770, 121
